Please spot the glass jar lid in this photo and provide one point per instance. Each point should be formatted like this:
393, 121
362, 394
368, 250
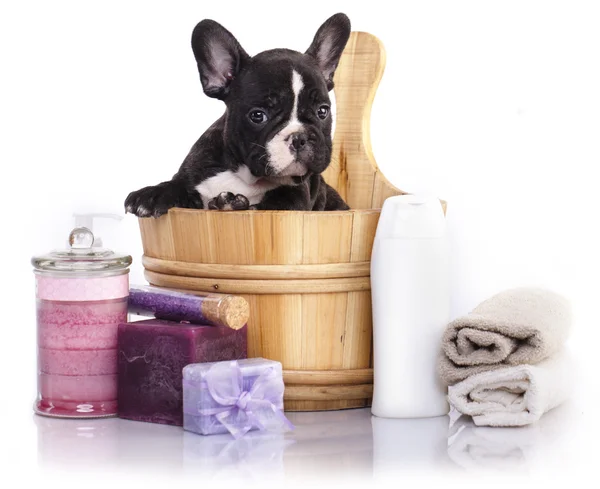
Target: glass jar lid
82, 258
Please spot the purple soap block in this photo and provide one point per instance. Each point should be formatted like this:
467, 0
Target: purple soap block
151, 358
254, 386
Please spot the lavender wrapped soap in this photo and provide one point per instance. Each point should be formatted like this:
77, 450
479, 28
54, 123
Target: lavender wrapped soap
212, 309
233, 397
151, 358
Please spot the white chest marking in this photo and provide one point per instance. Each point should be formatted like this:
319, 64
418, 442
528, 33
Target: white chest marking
278, 148
238, 182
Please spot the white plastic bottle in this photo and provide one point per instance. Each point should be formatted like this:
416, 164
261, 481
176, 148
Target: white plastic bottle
411, 307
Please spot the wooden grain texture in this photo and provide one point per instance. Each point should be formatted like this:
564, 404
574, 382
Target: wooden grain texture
328, 377
193, 243
257, 346
157, 237
327, 392
327, 237
278, 238
353, 171
230, 286
280, 319
257, 272
358, 331
323, 329
332, 405
363, 235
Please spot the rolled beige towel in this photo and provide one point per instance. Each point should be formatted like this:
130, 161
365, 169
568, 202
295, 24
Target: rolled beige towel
518, 326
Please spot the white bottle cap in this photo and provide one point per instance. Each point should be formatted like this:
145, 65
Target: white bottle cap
411, 216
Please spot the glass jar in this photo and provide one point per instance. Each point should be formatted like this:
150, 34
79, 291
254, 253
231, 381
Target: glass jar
81, 296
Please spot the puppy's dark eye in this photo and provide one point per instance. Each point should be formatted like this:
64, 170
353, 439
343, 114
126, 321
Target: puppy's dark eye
257, 116
323, 112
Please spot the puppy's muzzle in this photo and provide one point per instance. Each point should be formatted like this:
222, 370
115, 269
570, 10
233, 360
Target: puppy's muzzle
298, 142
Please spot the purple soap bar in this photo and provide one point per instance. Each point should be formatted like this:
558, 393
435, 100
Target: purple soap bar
233, 397
210, 309
151, 358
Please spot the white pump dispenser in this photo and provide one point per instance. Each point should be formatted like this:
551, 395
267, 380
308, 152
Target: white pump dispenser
87, 221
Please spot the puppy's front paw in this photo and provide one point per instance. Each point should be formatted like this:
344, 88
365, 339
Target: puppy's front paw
227, 201
141, 202
157, 200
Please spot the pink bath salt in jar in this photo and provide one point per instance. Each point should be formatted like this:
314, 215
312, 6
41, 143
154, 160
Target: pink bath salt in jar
81, 297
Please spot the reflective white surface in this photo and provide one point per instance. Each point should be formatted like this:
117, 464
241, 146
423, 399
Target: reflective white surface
345, 444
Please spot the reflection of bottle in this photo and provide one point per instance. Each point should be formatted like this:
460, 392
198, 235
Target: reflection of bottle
77, 443
411, 307
413, 444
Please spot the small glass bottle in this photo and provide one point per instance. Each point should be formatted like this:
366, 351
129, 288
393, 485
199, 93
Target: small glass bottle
81, 296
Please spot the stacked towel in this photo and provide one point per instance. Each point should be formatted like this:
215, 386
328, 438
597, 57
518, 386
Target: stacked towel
513, 396
504, 362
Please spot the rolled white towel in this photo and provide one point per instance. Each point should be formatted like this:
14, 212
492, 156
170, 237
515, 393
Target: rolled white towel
514, 396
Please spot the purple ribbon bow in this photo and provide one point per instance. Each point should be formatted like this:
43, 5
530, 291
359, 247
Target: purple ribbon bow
240, 411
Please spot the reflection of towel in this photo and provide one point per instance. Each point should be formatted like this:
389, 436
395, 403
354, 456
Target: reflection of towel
475, 448
509, 450
513, 396
514, 327
505, 449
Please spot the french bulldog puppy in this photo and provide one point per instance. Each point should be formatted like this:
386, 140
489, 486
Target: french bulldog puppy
269, 148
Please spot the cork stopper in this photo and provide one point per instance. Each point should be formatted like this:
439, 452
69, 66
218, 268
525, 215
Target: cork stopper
231, 310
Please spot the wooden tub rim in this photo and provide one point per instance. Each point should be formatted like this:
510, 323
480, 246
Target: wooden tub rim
184, 210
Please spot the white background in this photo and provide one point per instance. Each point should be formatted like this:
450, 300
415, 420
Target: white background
493, 106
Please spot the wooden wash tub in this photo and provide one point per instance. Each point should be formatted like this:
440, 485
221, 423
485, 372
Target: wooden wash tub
304, 274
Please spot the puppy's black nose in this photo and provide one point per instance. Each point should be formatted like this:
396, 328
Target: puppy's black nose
298, 141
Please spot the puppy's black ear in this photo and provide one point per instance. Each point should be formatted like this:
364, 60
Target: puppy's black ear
328, 44
219, 56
